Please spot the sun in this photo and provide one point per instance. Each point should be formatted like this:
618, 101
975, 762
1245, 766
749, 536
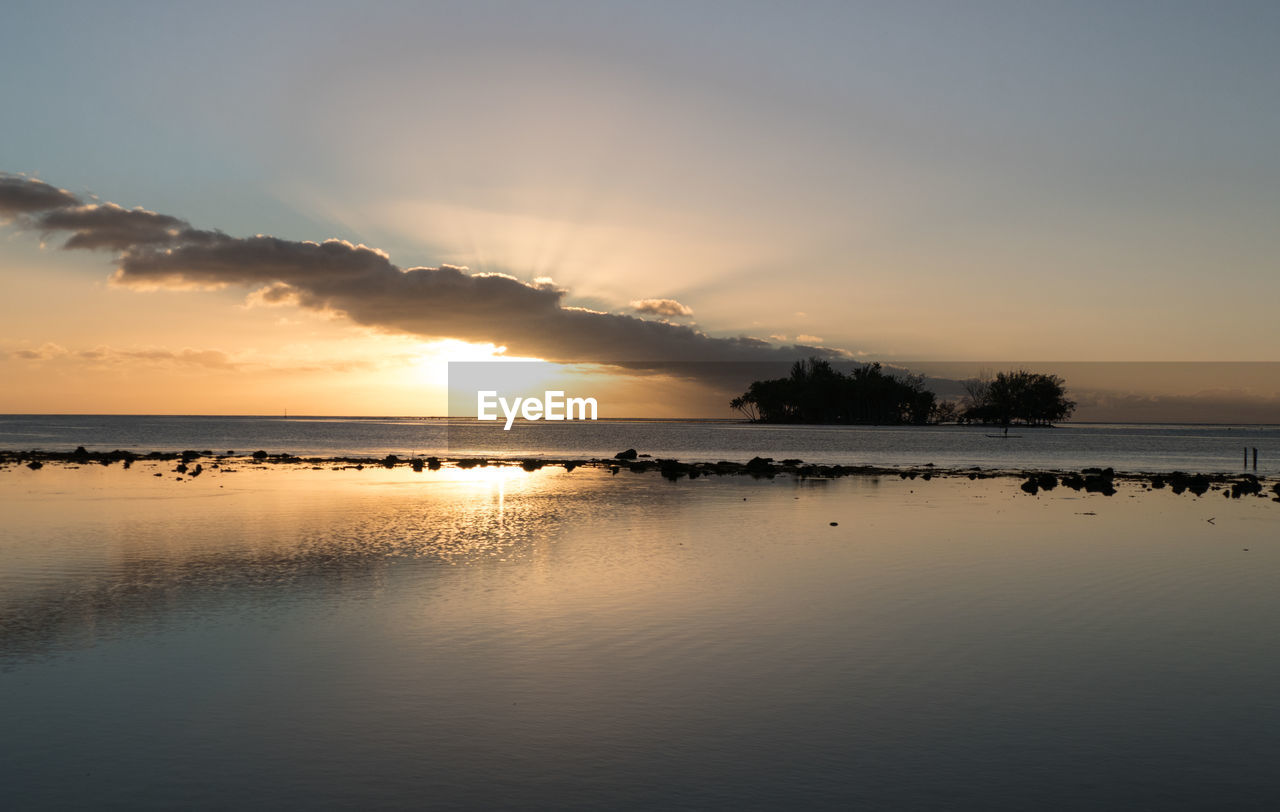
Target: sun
431, 361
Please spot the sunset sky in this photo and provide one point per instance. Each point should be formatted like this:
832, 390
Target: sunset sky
1054, 182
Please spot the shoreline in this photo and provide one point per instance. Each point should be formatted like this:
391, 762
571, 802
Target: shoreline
192, 463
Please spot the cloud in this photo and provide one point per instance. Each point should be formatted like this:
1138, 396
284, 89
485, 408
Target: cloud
41, 353
22, 195
111, 226
361, 283
211, 359
809, 339
202, 358
661, 307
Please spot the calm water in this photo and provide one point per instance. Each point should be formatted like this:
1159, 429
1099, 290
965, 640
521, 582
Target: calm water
494, 639
1125, 447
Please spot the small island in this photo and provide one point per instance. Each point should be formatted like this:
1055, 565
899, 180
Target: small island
817, 393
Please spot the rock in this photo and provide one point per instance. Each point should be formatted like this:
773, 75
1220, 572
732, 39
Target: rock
531, 465
36, 465
835, 524
417, 465
1099, 484
1179, 482
259, 455
1030, 486
1245, 487
1047, 481
629, 454
390, 461
673, 469
433, 463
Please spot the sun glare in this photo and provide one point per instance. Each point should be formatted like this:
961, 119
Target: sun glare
433, 357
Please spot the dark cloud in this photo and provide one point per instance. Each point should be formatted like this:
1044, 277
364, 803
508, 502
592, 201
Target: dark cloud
23, 195
661, 307
42, 207
113, 227
213, 258
530, 319
446, 302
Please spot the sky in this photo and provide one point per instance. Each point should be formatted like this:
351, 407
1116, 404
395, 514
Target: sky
338, 199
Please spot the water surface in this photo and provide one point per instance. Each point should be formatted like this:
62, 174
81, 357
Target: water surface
491, 638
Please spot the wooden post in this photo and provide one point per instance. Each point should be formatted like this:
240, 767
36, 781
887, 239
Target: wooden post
1246, 456
1255, 459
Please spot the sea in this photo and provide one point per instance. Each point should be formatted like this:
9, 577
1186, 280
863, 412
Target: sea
1070, 446
332, 636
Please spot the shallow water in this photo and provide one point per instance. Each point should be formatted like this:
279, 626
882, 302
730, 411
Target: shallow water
482, 638
1126, 447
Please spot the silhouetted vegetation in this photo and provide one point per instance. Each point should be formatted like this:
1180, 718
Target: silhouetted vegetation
1019, 396
816, 392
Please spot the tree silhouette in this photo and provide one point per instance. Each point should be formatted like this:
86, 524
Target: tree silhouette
816, 392
1018, 396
